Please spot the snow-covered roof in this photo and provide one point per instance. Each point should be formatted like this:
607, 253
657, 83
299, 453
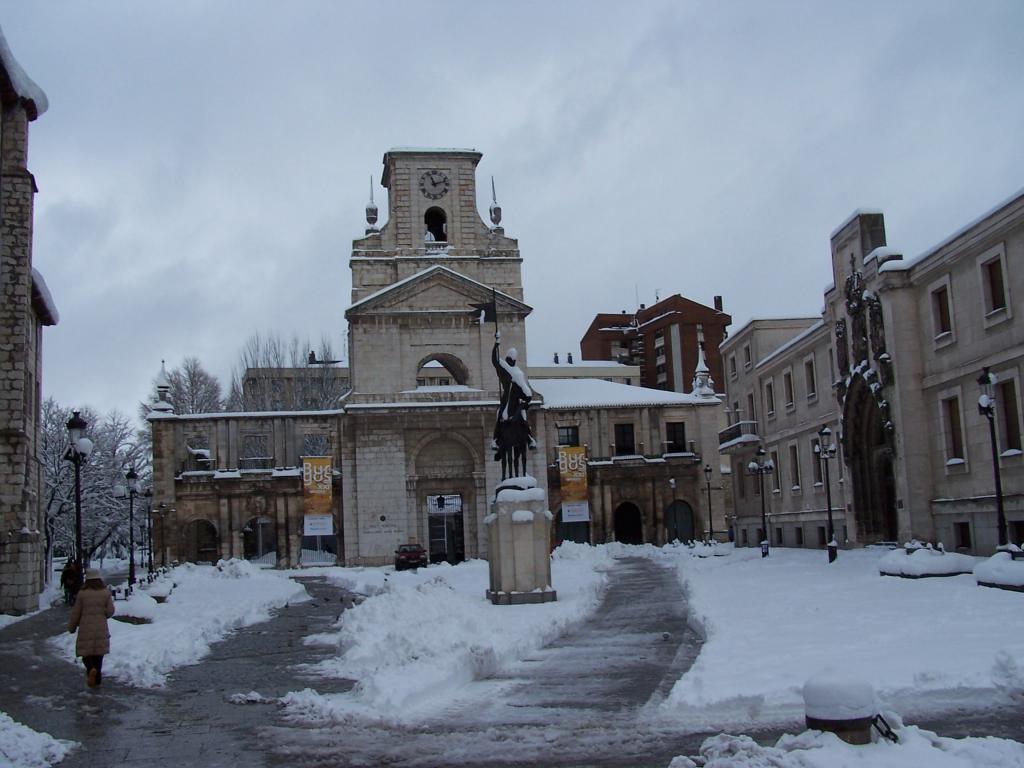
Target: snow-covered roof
811, 329
151, 416
424, 273
409, 150
897, 266
852, 216
42, 293
598, 393
583, 364
22, 84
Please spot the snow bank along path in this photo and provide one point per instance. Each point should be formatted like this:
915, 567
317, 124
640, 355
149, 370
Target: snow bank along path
424, 634
769, 624
208, 602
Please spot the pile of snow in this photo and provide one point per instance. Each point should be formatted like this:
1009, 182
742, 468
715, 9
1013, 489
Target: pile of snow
1001, 569
207, 604
421, 635
899, 635
813, 749
835, 695
22, 747
916, 563
160, 589
138, 606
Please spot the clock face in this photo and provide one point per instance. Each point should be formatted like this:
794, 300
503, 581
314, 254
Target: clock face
434, 184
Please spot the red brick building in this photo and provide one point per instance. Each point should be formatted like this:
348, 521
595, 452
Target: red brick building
663, 340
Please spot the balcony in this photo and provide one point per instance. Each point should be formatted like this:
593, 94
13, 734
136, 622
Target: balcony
737, 436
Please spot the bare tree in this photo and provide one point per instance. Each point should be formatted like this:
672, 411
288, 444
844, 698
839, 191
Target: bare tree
276, 374
193, 389
116, 447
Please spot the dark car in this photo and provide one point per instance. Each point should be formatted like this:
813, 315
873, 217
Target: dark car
410, 556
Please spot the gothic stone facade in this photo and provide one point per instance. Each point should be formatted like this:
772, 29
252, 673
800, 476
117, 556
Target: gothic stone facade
902, 343
25, 307
412, 460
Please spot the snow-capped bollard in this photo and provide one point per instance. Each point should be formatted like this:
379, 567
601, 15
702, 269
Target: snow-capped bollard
840, 704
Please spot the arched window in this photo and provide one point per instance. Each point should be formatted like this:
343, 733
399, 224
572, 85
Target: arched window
441, 370
436, 221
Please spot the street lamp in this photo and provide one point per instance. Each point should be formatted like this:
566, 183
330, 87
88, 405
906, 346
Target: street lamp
987, 408
131, 490
78, 451
826, 450
761, 467
711, 523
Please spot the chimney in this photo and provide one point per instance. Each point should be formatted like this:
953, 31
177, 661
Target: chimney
643, 306
556, 358
568, 357
718, 303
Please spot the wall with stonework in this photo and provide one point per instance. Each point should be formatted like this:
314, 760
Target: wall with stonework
21, 538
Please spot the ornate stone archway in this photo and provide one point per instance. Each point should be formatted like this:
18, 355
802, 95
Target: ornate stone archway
868, 449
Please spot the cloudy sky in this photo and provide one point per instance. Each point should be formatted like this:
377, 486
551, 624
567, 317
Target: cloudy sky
204, 166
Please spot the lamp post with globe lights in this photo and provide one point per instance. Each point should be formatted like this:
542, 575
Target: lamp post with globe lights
987, 408
78, 451
761, 467
826, 450
130, 490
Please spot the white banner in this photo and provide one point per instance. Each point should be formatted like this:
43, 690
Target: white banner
575, 511
318, 525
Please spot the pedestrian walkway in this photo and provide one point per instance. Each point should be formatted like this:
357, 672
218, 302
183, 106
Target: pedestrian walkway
190, 722
583, 700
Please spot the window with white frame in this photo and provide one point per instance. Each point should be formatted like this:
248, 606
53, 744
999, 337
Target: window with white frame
810, 378
777, 472
787, 388
769, 397
732, 366
746, 356
794, 467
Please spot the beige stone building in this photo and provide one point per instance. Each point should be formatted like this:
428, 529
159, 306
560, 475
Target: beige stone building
25, 308
892, 367
410, 446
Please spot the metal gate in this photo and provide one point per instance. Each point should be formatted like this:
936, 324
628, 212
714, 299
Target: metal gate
445, 528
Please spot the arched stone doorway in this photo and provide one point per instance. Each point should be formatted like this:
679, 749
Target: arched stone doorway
679, 524
441, 370
202, 545
870, 459
259, 541
629, 524
444, 470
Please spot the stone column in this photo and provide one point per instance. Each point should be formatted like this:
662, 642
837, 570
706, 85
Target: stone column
519, 534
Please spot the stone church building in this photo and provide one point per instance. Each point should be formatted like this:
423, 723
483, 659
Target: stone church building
411, 460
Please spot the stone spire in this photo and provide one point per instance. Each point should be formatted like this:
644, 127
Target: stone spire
163, 390
703, 385
371, 213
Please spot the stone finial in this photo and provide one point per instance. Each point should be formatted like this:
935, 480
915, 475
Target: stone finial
703, 384
495, 209
371, 212
163, 390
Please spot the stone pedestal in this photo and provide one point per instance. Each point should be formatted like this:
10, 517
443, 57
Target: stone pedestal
519, 534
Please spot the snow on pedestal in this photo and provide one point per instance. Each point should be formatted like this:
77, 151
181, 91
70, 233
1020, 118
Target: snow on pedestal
519, 534
844, 705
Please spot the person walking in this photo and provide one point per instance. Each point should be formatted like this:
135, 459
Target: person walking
69, 581
93, 606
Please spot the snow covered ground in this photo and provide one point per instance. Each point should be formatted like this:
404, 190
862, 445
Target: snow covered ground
771, 623
424, 634
420, 637
207, 603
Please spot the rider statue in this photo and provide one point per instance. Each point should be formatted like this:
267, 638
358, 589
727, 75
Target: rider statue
512, 435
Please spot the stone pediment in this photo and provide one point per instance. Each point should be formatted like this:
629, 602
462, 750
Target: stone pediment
437, 289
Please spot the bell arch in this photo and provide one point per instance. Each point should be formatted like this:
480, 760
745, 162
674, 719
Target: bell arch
867, 446
200, 541
450, 363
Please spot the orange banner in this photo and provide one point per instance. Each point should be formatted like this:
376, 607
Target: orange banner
316, 496
572, 468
